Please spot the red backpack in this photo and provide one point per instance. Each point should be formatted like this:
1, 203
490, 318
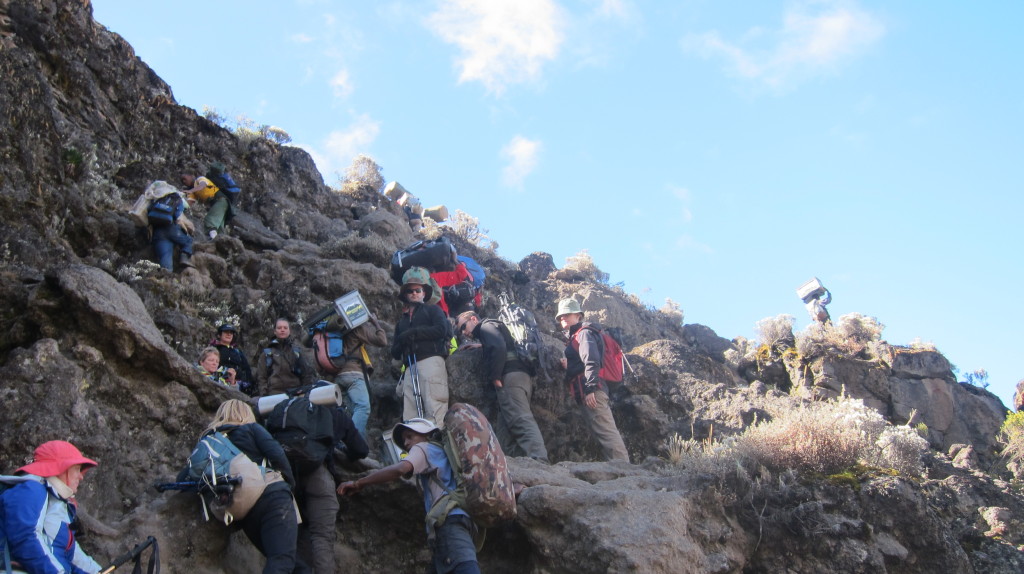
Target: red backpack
612, 360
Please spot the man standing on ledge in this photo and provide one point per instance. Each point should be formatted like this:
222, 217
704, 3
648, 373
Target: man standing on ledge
584, 354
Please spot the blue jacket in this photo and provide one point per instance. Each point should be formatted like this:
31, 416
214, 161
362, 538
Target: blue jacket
37, 525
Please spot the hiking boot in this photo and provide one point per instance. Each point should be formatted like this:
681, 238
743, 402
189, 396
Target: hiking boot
185, 260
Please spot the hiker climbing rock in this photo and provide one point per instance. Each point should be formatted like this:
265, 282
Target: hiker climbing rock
38, 512
281, 365
231, 357
451, 541
584, 356
357, 368
218, 191
170, 227
421, 342
272, 523
209, 366
516, 427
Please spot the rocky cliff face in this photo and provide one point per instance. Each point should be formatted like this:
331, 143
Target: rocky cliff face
96, 347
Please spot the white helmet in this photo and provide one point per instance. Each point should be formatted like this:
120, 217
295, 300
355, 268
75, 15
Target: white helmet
417, 425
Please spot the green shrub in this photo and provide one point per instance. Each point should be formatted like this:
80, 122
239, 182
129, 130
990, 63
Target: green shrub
1011, 435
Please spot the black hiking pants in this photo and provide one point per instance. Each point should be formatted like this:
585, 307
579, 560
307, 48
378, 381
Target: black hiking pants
272, 527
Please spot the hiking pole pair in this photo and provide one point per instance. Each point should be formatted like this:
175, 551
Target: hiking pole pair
136, 553
414, 373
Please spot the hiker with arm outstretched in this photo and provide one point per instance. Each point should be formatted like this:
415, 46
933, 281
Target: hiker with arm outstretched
451, 536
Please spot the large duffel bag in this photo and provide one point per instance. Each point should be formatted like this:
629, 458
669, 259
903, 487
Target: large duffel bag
436, 255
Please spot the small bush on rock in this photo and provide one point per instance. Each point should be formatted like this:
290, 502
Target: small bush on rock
1011, 435
775, 331
821, 437
581, 267
853, 335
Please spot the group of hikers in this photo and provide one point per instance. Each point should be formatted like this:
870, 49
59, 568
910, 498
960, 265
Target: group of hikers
291, 519
37, 508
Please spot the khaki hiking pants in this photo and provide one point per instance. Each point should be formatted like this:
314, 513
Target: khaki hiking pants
433, 377
602, 425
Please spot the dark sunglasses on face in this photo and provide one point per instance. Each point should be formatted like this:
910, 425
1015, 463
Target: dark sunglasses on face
416, 290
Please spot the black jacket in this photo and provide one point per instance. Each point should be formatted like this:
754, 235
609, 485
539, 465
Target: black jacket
422, 331
500, 356
234, 358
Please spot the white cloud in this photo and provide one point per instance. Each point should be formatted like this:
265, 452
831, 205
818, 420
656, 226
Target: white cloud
341, 84
615, 9
340, 146
683, 195
502, 42
815, 36
301, 38
688, 243
522, 155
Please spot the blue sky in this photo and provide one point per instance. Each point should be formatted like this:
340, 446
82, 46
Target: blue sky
715, 153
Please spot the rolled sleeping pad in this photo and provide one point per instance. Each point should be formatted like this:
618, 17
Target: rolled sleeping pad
394, 191
325, 395
438, 213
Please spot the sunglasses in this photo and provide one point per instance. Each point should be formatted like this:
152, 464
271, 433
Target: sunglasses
416, 290
462, 328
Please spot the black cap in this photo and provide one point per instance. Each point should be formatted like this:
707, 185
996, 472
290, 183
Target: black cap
226, 327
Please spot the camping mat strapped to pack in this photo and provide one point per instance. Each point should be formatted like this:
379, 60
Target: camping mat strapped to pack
484, 486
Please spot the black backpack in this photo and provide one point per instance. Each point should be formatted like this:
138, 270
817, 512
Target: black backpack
305, 431
162, 210
522, 325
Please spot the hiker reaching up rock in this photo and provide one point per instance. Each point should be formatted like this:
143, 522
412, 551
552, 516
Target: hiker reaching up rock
169, 227
584, 355
38, 509
357, 368
451, 541
421, 342
218, 191
272, 523
515, 428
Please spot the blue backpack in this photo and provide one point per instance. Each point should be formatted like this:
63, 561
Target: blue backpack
162, 211
214, 460
475, 270
223, 180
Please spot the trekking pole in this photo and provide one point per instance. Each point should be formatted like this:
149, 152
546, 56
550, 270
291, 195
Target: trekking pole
414, 372
154, 558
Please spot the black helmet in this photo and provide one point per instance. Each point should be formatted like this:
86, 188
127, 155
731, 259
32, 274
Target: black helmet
226, 327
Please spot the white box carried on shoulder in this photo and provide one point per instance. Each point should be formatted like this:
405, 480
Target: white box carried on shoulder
810, 289
352, 309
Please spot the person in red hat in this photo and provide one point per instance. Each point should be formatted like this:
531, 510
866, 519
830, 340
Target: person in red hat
38, 507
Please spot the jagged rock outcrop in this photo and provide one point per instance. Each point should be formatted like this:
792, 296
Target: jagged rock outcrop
912, 383
96, 346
